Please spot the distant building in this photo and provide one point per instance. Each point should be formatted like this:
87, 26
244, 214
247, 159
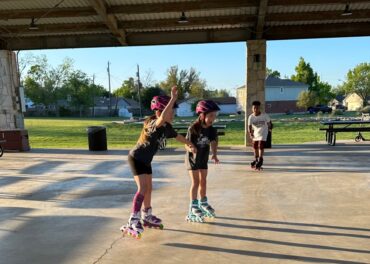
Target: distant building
281, 95
185, 107
354, 102
227, 104
120, 105
338, 100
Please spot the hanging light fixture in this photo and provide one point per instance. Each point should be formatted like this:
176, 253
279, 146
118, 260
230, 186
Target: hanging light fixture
347, 11
33, 25
183, 19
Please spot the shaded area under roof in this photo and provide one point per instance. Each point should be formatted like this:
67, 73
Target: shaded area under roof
108, 23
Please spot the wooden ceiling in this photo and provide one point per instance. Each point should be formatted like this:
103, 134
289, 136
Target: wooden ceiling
107, 23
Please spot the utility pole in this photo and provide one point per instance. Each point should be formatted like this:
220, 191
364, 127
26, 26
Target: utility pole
139, 85
110, 103
93, 108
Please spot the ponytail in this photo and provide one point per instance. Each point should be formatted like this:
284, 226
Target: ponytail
145, 131
196, 127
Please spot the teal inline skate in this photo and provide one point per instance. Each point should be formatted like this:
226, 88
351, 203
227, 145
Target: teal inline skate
207, 210
195, 213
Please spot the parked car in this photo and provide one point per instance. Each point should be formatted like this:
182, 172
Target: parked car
340, 107
319, 108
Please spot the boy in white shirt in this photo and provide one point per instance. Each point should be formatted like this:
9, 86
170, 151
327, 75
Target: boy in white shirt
259, 125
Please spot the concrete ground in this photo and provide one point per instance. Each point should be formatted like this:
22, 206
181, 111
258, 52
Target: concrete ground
310, 204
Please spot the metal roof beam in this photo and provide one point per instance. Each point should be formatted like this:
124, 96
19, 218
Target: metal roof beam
187, 37
261, 18
110, 20
139, 39
127, 9
198, 21
311, 2
157, 8
318, 15
40, 12
318, 31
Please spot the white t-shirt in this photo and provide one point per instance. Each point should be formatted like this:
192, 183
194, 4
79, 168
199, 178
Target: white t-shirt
259, 125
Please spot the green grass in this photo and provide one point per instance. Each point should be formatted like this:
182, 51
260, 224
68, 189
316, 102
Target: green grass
71, 132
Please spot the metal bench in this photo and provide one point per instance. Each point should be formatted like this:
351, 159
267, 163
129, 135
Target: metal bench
345, 126
182, 129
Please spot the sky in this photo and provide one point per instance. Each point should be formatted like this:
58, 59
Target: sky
222, 65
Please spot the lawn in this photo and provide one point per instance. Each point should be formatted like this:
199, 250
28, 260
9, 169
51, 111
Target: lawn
71, 132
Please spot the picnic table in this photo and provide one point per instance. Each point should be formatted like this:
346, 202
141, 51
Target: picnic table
335, 126
183, 129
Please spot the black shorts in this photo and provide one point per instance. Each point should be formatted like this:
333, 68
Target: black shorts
200, 163
137, 167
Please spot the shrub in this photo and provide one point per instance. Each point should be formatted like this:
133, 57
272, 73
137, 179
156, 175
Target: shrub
366, 109
337, 112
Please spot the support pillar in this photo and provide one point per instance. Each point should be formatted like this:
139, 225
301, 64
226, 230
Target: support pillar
255, 81
11, 116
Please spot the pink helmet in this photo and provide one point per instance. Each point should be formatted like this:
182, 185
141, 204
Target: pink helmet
206, 106
160, 102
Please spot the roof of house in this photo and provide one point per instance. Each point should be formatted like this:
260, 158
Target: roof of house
104, 102
340, 98
348, 96
275, 81
224, 100
191, 100
131, 102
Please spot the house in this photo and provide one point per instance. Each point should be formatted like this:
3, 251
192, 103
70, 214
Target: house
119, 106
227, 104
185, 107
338, 100
354, 102
281, 95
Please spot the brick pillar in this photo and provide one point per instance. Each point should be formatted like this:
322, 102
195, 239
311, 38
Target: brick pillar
11, 116
256, 75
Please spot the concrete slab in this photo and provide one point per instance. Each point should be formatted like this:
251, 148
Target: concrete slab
310, 204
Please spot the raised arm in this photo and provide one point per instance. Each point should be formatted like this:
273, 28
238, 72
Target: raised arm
167, 113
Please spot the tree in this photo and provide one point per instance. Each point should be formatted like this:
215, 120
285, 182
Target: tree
358, 81
43, 82
270, 72
216, 93
197, 89
81, 91
304, 74
127, 89
324, 92
306, 99
339, 90
186, 81
321, 91
26, 59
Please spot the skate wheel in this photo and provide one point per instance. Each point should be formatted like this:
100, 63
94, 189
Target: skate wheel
161, 227
138, 236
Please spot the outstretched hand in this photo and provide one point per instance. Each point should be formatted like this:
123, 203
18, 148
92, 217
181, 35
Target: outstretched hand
193, 148
215, 159
174, 92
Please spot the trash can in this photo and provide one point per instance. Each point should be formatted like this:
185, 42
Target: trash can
268, 140
269, 135
97, 136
